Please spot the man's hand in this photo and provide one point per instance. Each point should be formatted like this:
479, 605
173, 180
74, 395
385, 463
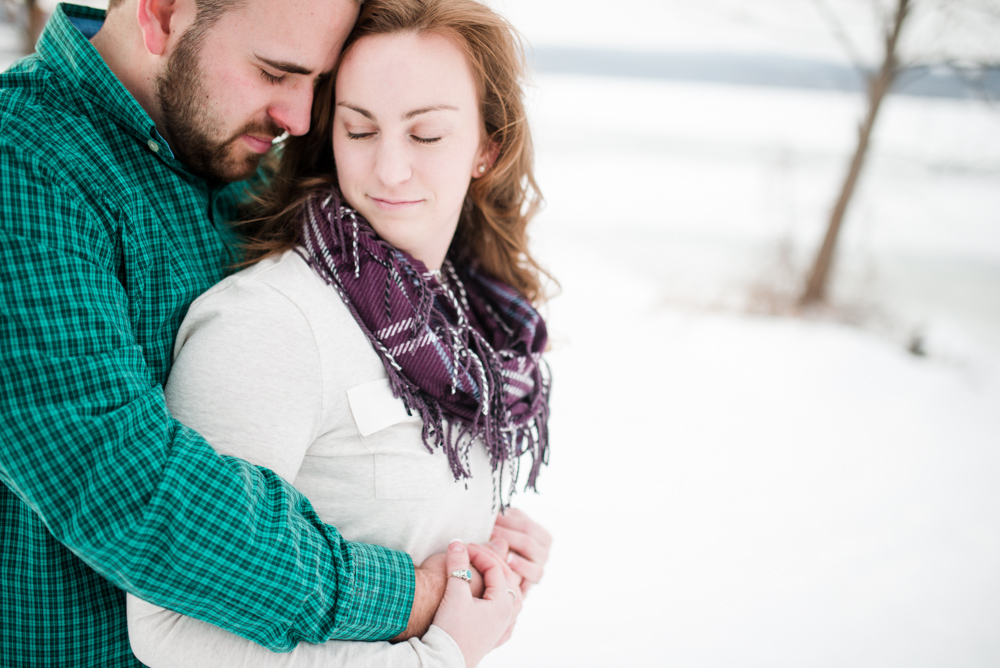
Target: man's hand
518, 539
431, 577
529, 545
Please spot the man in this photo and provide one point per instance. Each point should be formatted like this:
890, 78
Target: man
122, 144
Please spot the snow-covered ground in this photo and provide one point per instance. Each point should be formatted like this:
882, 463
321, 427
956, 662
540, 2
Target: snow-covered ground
731, 490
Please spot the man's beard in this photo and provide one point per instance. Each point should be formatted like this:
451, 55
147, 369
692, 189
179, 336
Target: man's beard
195, 136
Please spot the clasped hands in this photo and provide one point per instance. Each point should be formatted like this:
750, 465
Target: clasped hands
480, 615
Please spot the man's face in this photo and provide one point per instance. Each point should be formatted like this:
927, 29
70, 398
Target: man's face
248, 79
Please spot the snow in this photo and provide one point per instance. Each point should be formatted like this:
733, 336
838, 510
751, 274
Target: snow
729, 489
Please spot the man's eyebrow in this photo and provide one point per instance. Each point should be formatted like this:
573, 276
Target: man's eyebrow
284, 66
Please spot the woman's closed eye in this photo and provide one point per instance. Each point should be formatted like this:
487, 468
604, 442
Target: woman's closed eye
368, 134
425, 140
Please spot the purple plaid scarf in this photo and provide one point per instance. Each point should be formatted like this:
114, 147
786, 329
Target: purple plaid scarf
460, 347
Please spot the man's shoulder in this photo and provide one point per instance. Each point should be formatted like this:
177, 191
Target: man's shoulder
47, 115
51, 139
32, 96
51, 168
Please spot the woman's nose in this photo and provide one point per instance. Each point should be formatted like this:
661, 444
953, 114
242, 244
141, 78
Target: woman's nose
392, 165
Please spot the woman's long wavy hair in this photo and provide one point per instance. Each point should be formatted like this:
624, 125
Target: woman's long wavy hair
499, 205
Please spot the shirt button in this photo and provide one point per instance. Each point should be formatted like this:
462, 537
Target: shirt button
153, 146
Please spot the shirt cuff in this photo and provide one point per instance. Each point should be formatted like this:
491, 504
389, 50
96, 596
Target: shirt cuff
382, 595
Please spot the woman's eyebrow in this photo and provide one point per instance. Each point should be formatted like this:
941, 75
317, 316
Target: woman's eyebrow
364, 112
407, 116
423, 110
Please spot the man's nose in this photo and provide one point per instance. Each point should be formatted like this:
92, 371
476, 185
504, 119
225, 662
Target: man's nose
294, 109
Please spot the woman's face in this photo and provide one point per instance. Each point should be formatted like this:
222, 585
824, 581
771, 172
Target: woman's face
407, 138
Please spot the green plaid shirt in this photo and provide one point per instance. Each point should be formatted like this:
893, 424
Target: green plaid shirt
104, 240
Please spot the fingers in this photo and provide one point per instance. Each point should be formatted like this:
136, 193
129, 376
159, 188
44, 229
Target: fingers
457, 560
501, 582
477, 586
527, 555
492, 568
516, 520
491, 547
500, 546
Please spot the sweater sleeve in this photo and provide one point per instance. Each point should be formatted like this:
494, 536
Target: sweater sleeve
162, 638
89, 446
248, 376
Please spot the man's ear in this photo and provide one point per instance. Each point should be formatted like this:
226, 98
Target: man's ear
156, 21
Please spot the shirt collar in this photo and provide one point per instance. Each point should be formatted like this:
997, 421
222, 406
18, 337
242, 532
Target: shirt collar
65, 46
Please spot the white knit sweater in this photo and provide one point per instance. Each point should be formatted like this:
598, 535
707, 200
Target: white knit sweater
270, 366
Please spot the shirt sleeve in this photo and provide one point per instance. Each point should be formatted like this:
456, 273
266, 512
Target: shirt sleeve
248, 375
89, 445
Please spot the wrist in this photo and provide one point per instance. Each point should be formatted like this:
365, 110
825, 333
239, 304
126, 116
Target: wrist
429, 583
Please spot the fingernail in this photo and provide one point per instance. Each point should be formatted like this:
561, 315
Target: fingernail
456, 545
510, 557
496, 545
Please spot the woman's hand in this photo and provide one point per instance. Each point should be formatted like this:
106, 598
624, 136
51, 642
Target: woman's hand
529, 545
478, 625
438, 562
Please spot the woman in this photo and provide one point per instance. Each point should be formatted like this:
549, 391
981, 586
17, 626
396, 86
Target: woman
384, 355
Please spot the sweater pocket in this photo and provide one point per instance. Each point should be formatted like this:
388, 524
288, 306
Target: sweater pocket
404, 468
374, 408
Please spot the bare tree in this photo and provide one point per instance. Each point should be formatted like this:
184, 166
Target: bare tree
30, 19
36, 21
879, 85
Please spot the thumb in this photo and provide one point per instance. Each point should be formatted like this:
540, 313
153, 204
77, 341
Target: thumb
457, 561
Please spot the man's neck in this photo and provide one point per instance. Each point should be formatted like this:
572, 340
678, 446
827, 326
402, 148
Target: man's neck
120, 44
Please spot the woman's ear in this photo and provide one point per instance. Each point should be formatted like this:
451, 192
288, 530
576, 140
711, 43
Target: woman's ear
159, 21
485, 159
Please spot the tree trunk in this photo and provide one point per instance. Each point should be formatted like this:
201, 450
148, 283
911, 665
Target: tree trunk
36, 18
878, 86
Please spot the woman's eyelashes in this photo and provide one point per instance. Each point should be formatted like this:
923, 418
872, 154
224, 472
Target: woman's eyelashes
425, 140
368, 134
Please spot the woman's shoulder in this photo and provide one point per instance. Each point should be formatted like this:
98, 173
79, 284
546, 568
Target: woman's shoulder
283, 277
276, 292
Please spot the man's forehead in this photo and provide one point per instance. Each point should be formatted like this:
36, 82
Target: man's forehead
296, 36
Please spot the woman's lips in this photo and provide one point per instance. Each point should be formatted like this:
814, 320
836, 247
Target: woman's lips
392, 204
256, 144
